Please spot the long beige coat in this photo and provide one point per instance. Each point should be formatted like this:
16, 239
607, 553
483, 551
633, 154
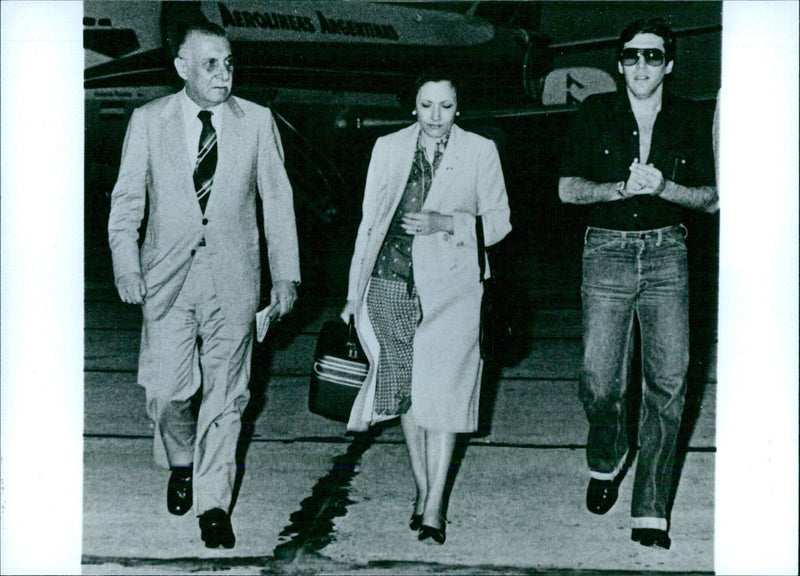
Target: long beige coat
447, 366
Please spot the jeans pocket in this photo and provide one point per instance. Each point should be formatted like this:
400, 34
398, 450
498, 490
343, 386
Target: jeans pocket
675, 244
592, 247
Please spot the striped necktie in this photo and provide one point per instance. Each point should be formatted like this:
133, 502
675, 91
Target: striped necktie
206, 163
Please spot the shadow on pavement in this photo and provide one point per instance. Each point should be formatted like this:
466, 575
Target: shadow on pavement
311, 527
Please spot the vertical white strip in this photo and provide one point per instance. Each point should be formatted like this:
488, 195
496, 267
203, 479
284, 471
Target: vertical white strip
757, 458
42, 287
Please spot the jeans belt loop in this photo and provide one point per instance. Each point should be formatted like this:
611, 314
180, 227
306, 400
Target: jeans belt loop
660, 237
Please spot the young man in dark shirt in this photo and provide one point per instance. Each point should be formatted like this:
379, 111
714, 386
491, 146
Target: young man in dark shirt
638, 158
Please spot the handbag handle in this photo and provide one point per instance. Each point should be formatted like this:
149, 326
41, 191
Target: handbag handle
481, 247
352, 342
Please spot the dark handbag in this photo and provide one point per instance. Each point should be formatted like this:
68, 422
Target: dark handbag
339, 370
495, 335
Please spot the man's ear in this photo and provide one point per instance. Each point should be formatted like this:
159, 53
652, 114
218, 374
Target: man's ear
619, 67
180, 67
668, 69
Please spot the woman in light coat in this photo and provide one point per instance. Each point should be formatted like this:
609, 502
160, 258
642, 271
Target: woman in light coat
414, 286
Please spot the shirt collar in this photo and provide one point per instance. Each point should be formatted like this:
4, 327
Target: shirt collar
191, 109
440, 144
623, 102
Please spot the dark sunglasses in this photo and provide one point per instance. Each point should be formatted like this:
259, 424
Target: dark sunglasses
630, 56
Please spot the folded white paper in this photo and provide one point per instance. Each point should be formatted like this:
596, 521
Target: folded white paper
263, 318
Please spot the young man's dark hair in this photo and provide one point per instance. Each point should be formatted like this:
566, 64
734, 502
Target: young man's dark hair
657, 26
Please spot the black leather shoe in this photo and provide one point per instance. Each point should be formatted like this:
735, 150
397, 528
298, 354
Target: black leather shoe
179, 491
601, 495
416, 522
216, 529
435, 534
651, 537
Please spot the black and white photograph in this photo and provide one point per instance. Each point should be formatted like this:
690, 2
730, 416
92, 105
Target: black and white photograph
351, 287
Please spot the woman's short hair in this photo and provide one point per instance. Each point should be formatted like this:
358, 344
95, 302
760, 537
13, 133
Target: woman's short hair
409, 99
657, 26
435, 75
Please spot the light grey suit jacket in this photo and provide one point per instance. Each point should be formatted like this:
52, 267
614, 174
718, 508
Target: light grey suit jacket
155, 165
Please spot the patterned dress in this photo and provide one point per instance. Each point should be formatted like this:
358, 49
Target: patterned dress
392, 301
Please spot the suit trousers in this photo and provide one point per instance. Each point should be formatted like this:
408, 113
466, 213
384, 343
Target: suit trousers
193, 344
626, 276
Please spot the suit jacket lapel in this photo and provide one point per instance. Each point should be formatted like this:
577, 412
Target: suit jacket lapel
173, 140
228, 145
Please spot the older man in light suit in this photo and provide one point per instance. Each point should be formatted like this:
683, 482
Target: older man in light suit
197, 274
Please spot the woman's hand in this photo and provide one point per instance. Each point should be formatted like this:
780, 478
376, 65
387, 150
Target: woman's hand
348, 310
428, 222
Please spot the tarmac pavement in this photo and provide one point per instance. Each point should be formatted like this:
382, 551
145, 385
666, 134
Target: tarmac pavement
315, 500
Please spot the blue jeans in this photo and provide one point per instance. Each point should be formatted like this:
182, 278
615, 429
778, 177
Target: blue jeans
635, 275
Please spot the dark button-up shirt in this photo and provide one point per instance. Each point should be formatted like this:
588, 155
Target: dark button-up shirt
604, 141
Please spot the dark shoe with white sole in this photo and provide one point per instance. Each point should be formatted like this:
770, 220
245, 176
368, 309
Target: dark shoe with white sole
651, 537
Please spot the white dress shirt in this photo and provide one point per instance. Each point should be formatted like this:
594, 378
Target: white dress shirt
194, 126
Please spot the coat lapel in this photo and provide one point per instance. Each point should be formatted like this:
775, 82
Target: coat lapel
400, 167
397, 156
446, 173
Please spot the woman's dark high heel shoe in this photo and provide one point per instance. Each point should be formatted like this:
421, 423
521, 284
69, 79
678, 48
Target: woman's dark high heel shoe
416, 522
435, 534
